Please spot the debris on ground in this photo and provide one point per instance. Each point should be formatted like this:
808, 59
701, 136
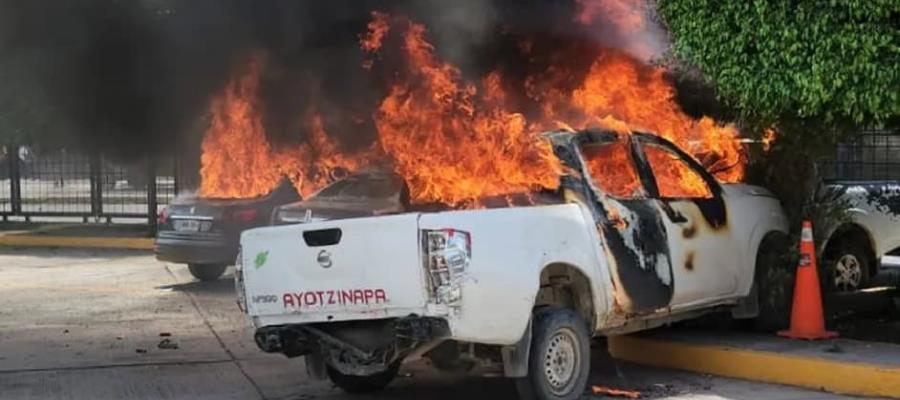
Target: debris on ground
167, 344
140, 351
165, 334
608, 391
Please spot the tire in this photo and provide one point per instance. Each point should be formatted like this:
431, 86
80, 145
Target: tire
773, 282
207, 272
355, 384
846, 267
560, 357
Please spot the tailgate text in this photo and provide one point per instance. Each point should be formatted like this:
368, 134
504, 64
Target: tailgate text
319, 298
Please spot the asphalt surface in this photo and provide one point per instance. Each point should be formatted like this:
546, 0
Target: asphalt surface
86, 324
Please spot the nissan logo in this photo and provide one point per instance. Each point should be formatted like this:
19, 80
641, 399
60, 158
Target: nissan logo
324, 258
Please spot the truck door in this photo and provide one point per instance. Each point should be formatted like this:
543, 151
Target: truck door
634, 238
701, 247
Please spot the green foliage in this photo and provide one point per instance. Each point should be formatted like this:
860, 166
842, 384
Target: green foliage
831, 60
789, 171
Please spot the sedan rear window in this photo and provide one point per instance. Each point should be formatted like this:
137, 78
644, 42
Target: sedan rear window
377, 188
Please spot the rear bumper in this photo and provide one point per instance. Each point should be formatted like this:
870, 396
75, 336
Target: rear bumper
196, 250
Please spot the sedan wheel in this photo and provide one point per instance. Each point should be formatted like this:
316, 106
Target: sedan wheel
848, 273
207, 272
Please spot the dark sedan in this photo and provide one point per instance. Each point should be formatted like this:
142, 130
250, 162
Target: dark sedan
204, 233
362, 194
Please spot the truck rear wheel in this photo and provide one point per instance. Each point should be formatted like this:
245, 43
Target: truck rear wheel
363, 384
207, 272
560, 356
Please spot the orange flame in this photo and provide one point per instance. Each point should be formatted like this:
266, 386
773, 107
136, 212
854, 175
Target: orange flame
768, 138
628, 14
610, 167
236, 159
455, 142
451, 144
239, 162
619, 92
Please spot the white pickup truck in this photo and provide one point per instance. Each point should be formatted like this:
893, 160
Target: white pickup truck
854, 250
523, 289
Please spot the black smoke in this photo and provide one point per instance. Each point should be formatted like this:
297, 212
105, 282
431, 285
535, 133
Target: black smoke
135, 77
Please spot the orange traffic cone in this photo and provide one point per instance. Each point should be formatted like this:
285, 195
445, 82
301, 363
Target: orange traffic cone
807, 320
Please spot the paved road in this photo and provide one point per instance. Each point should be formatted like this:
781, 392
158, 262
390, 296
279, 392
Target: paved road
79, 324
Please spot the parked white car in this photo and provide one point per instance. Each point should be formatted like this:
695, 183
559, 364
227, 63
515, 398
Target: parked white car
518, 289
854, 249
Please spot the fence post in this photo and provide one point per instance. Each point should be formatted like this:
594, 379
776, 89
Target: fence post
95, 166
151, 194
15, 180
176, 175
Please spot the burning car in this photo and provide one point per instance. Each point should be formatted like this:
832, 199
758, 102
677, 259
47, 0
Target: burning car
636, 235
362, 194
204, 232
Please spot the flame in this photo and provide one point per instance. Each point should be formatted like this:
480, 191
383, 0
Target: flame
454, 141
450, 143
238, 161
627, 14
674, 179
768, 138
623, 95
611, 168
377, 28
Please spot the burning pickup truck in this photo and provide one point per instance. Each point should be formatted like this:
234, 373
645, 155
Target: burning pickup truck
519, 289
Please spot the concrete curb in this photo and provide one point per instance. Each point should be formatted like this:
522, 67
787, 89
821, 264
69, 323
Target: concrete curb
82, 242
844, 377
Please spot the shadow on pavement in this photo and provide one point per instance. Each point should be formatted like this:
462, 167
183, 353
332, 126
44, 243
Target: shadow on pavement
224, 285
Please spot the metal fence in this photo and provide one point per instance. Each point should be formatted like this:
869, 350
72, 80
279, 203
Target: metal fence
872, 156
36, 182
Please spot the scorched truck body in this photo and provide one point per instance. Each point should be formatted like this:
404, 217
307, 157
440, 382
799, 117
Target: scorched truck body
520, 289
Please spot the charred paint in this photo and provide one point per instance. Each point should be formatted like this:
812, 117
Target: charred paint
689, 261
713, 210
689, 231
634, 233
886, 197
640, 253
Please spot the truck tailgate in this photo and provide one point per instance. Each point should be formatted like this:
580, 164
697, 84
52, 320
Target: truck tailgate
335, 270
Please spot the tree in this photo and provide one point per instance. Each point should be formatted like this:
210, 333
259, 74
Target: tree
835, 61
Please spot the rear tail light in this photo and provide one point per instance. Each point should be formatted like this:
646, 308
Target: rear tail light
239, 281
447, 256
163, 217
245, 215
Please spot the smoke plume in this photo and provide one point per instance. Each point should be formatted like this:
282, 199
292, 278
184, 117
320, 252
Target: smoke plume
135, 77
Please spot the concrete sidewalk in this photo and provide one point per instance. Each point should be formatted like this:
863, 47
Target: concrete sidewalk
103, 236
838, 366
83, 324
